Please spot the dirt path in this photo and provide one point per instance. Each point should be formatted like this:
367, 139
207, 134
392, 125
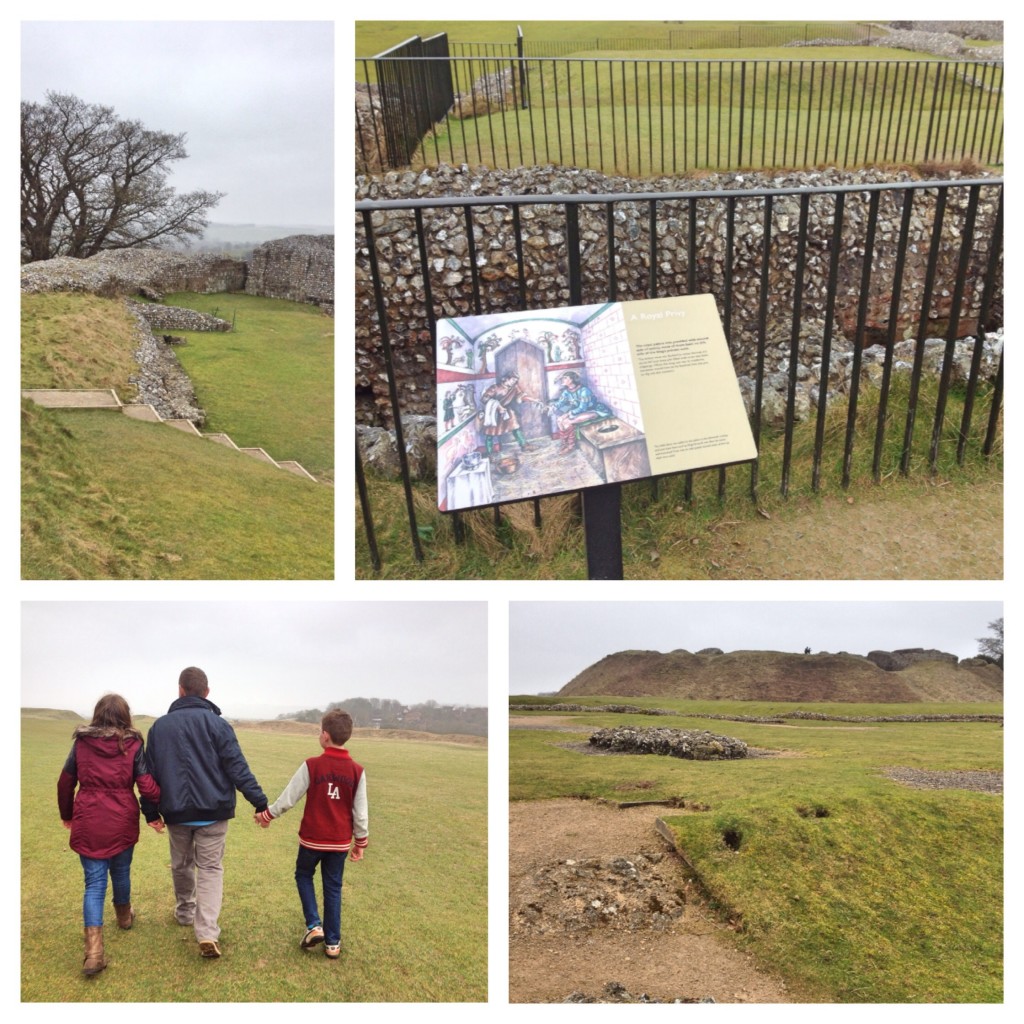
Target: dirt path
601, 910
923, 531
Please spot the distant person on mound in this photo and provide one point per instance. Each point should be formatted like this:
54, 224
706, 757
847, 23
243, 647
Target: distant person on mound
195, 757
334, 822
106, 763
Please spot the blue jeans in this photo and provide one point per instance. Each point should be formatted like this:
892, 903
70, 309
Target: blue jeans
120, 868
332, 868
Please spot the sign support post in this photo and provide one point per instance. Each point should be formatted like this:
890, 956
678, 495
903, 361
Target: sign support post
602, 529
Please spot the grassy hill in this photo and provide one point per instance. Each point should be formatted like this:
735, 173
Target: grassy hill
774, 675
108, 497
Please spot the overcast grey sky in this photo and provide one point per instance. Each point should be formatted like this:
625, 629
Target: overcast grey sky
550, 643
262, 658
255, 99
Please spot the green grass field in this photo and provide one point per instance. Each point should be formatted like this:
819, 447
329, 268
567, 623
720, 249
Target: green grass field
638, 111
408, 933
852, 887
269, 383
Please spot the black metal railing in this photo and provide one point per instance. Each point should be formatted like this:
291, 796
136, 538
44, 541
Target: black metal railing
890, 261
654, 117
413, 85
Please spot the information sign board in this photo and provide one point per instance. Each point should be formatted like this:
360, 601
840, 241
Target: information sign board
541, 402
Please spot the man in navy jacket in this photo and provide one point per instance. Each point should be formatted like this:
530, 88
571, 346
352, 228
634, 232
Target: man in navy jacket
194, 755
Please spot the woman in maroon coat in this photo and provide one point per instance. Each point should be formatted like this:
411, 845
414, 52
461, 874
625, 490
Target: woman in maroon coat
106, 762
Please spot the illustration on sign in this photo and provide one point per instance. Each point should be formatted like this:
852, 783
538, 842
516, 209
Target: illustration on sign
538, 403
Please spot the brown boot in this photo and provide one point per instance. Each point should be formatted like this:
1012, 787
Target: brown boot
94, 960
125, 915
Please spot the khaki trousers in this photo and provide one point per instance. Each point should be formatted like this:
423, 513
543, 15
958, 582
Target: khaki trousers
198, 875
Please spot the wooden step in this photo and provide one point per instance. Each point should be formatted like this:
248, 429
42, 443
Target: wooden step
142, 412
258, 453
293, 467
222, 439
185, 425
52, 398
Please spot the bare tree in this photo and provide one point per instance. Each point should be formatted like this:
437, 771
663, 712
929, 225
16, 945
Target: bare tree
991, 647
92, 181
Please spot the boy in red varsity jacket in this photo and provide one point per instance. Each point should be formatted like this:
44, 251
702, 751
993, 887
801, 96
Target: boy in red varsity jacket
334, 823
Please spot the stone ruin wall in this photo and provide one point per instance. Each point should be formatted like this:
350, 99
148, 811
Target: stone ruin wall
176, 318
546, 263
299, 268
896, 661
146, 272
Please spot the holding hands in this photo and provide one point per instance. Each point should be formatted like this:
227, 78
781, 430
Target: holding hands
262, 818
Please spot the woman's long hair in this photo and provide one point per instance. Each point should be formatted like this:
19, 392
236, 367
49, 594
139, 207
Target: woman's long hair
113, 717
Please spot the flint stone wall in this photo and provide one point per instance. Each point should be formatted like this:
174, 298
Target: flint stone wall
148, 272
161, 381
694, 745
299, 268
547, 285
176, 318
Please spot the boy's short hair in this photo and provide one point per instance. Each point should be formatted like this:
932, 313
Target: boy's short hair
337, 725
193, 682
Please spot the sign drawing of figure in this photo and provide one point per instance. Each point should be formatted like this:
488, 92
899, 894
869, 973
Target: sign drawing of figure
496, 418
449, 410
510, 393
575, 405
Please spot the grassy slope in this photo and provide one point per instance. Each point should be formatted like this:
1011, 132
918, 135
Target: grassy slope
72, 340
107, 497
894, 894
408, 934
104, 496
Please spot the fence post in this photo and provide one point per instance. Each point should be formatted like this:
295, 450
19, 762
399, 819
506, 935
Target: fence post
522, 66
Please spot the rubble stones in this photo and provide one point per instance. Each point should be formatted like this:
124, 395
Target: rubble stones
616, 992
693, 745
623, 893
918, 778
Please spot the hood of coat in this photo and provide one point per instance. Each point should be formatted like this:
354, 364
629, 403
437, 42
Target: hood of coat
105, 740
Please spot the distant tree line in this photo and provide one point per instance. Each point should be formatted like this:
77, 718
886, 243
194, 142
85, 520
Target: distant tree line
375, 712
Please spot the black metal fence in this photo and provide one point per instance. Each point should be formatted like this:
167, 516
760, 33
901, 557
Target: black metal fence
653, 117
414, 92
934, 259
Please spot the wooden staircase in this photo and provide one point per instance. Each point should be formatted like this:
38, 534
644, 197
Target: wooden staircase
107, 399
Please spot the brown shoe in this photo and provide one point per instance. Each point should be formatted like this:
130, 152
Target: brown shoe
125, 915
94, 961
208, 948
